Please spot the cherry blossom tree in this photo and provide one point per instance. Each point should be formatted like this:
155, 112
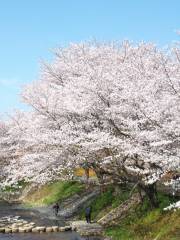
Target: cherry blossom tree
31, 151
114, 107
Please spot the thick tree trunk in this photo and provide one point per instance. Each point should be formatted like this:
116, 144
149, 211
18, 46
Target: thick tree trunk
151, 193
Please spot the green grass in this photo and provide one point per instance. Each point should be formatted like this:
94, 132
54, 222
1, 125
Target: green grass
105, 202
142, 223
53, 192
145, 224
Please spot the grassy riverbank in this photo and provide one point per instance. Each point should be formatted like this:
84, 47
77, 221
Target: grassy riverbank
141, 223
107, 200
53, 192
147, 225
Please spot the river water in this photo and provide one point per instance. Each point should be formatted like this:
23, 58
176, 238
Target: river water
39, 219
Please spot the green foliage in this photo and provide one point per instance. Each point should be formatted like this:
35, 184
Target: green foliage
62, 190
143, 223
106, 201
165, 200
119, 233
54, 192
15, 187
120, 197
102, 201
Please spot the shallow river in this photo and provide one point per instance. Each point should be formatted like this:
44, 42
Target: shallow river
34, 216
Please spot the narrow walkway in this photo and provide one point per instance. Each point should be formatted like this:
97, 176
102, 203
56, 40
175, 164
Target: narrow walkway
70, 206
87, 229
73, 207
120, 212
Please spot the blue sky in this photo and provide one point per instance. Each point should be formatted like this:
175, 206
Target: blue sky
30, 29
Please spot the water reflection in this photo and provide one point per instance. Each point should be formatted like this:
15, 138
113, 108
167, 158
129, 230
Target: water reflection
45, 236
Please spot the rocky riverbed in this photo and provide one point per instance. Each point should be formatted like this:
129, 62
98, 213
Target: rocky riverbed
22, 224
14, 224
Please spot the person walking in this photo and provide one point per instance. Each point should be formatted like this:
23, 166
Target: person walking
88, 211
56, 208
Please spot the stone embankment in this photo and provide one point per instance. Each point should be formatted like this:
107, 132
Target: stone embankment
14, 224
87, 229
77, 203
